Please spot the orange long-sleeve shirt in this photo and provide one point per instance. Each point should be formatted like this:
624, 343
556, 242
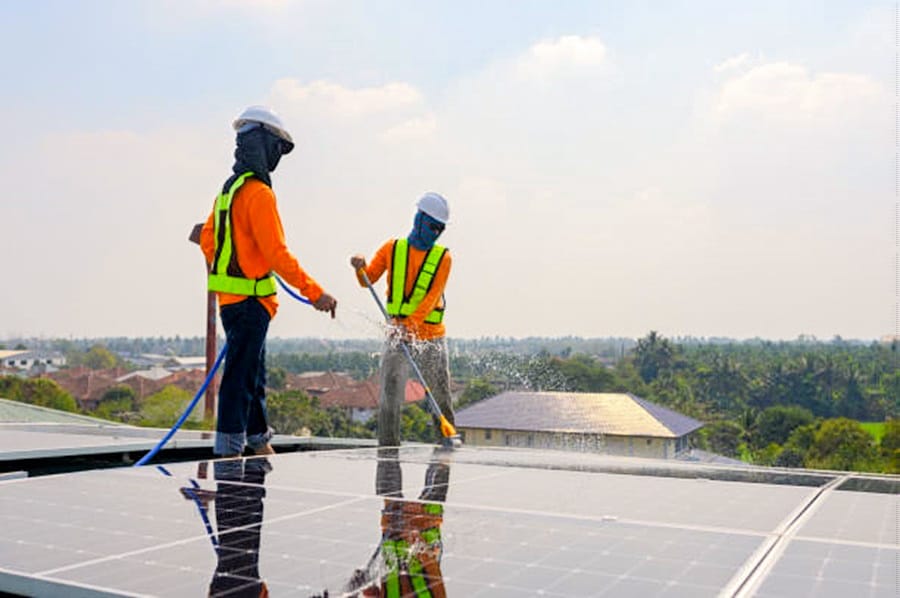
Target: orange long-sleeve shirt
415, 322
258, 238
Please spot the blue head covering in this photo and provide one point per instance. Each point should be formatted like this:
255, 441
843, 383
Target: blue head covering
425, 231
258, 150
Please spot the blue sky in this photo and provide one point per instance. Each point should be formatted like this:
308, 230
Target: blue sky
697, 168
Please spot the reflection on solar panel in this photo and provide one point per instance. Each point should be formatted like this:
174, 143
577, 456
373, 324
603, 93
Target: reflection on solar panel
470, 523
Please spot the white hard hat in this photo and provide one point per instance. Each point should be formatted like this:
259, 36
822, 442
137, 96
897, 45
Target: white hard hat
266, 117
435, 206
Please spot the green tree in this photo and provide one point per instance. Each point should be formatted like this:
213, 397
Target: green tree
162, 409
724, 438
652, 355
721, 383
117, 392
768, 455
890, 446
790, 456
776, 424
676, 391
476, 390
296, 413
851, 402
843, 444
585, 374
97, 357
276, 378
11, 388
795, 450
416, 424
37, 391
748, 420
117, 403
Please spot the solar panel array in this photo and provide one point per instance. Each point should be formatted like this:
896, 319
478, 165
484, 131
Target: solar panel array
510, 523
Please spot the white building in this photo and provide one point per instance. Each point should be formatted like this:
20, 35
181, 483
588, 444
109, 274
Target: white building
25, 360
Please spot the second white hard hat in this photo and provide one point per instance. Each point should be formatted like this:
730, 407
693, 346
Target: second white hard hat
435, 206
266, 117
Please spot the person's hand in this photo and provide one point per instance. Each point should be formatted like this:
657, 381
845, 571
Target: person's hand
326, 303
358, 262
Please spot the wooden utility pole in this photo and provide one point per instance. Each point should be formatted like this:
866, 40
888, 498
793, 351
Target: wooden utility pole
209, 404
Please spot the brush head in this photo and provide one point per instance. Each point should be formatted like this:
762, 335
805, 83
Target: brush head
447, 429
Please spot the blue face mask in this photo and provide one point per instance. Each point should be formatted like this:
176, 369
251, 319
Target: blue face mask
425, 231
258, 150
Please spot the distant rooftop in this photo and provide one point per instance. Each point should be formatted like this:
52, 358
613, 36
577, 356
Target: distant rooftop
584, 413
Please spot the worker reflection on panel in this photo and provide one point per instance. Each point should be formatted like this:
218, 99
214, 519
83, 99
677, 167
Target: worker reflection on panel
411, 546
240, 489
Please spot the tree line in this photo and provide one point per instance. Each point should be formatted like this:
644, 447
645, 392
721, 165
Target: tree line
792, 404
796, 404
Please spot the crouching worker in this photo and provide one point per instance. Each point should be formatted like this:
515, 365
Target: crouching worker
417, 272
243, 241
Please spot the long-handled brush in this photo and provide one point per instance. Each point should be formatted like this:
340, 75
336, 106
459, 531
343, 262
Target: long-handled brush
447, 429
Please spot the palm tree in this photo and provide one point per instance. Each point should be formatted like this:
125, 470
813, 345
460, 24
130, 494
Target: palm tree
652, 354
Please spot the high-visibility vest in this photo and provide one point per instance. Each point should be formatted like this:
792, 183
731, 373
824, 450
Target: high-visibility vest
226, 275
411, 567
401, 306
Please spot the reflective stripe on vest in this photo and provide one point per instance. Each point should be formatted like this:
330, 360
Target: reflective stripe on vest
396, 553
391, 552
226, 275
400, 306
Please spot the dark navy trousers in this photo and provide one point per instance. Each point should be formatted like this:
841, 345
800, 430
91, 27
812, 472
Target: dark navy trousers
241, 414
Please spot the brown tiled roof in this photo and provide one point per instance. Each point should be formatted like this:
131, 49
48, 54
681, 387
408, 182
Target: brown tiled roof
355, 395
84, 384
88, 386
316, 383
333, 389
615, 414
337, 389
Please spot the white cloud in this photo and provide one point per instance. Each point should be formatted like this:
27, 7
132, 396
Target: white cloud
573, 213
789, 92
341, 101
414, 129
114, 209
733, 63
569, 55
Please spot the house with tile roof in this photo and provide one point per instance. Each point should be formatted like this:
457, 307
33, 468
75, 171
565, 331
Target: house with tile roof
610, 423
89, 386
359, 398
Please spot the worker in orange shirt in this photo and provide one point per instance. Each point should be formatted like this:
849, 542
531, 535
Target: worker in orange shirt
243, 241
417, 271
407, 561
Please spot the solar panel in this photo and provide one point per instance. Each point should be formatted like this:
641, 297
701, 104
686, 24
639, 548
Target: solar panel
483, 522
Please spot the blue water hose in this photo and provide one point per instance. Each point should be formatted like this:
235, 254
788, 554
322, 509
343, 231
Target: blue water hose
190, 492
146, 458
291, 292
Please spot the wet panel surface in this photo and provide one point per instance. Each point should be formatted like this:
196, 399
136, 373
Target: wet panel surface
472, 523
